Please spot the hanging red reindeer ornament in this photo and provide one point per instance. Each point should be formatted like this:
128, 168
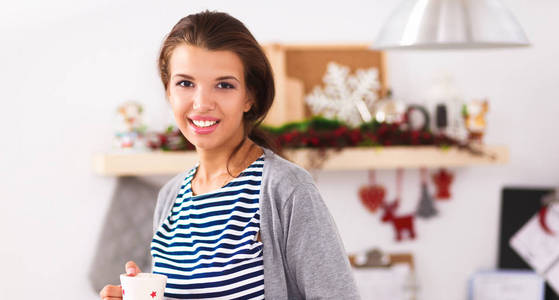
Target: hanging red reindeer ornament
401, 224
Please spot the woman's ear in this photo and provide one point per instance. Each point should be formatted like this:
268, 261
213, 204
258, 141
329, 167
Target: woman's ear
248, 104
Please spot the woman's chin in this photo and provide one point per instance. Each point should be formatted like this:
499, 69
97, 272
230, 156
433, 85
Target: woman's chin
206, 144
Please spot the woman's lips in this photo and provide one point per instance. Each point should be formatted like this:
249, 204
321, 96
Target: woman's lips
202, 130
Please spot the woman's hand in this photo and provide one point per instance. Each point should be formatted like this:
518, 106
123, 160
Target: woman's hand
114, 292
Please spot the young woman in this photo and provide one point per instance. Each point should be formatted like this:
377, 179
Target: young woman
244, 223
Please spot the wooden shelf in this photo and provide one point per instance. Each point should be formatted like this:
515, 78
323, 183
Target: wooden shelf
159, 162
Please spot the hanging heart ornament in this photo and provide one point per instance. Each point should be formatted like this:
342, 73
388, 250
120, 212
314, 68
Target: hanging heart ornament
372, 195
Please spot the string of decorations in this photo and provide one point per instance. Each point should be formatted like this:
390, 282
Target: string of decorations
321, 133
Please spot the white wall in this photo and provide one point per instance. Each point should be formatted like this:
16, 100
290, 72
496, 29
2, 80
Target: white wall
64, 67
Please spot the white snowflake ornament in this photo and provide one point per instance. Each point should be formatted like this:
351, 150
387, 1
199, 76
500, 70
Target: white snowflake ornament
345, 97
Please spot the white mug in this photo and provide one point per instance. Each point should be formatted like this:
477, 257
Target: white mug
143, 286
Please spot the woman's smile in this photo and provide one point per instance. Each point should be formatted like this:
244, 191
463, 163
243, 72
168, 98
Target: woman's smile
203, 125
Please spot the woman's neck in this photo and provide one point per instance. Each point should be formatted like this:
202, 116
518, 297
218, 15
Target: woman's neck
213, 170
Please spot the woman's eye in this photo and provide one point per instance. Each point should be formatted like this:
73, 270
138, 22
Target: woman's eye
225, 85
185, 83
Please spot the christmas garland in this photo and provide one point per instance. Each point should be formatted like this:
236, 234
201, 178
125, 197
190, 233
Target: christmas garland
321, 133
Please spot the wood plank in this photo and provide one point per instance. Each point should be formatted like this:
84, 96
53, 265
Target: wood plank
400, 157
146, 163
162, 162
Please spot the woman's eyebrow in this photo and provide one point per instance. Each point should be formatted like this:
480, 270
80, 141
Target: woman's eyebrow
184, 75
227, 77
217, 79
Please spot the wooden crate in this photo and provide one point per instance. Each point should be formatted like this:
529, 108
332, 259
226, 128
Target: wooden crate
299, 68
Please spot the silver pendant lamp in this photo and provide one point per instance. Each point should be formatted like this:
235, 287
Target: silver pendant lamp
450, 24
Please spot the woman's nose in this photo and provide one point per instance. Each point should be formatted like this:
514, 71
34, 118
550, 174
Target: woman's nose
203, 101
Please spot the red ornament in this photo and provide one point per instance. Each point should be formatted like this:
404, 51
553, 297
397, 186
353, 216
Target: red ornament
542, 219
442, 180
122, 292
400, 223
153, 294
372, 195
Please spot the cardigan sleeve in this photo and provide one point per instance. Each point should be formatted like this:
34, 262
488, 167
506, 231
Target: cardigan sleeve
159, 207
165, 199
316, 258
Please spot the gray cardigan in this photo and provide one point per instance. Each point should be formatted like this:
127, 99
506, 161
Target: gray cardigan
304, 257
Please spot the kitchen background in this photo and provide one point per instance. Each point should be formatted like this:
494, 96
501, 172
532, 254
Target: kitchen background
66, 66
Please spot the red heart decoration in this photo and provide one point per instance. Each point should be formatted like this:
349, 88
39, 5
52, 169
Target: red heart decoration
372, 196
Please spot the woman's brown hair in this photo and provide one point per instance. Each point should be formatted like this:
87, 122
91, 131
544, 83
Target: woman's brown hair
213, 30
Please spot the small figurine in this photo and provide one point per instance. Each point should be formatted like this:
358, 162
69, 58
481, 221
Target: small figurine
130, 129
474, 116
388, 110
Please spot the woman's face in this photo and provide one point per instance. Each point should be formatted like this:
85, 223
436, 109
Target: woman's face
208, 96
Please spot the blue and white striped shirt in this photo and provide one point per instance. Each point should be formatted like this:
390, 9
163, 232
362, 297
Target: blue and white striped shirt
207, 247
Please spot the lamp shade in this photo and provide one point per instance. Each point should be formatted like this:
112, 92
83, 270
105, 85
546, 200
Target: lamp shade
450, 24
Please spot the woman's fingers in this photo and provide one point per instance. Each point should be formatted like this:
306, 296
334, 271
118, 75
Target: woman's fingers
132, 268
111, 292
114, 292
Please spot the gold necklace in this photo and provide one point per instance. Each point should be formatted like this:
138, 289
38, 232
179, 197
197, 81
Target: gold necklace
227, 177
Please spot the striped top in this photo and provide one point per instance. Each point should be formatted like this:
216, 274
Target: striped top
207, 247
